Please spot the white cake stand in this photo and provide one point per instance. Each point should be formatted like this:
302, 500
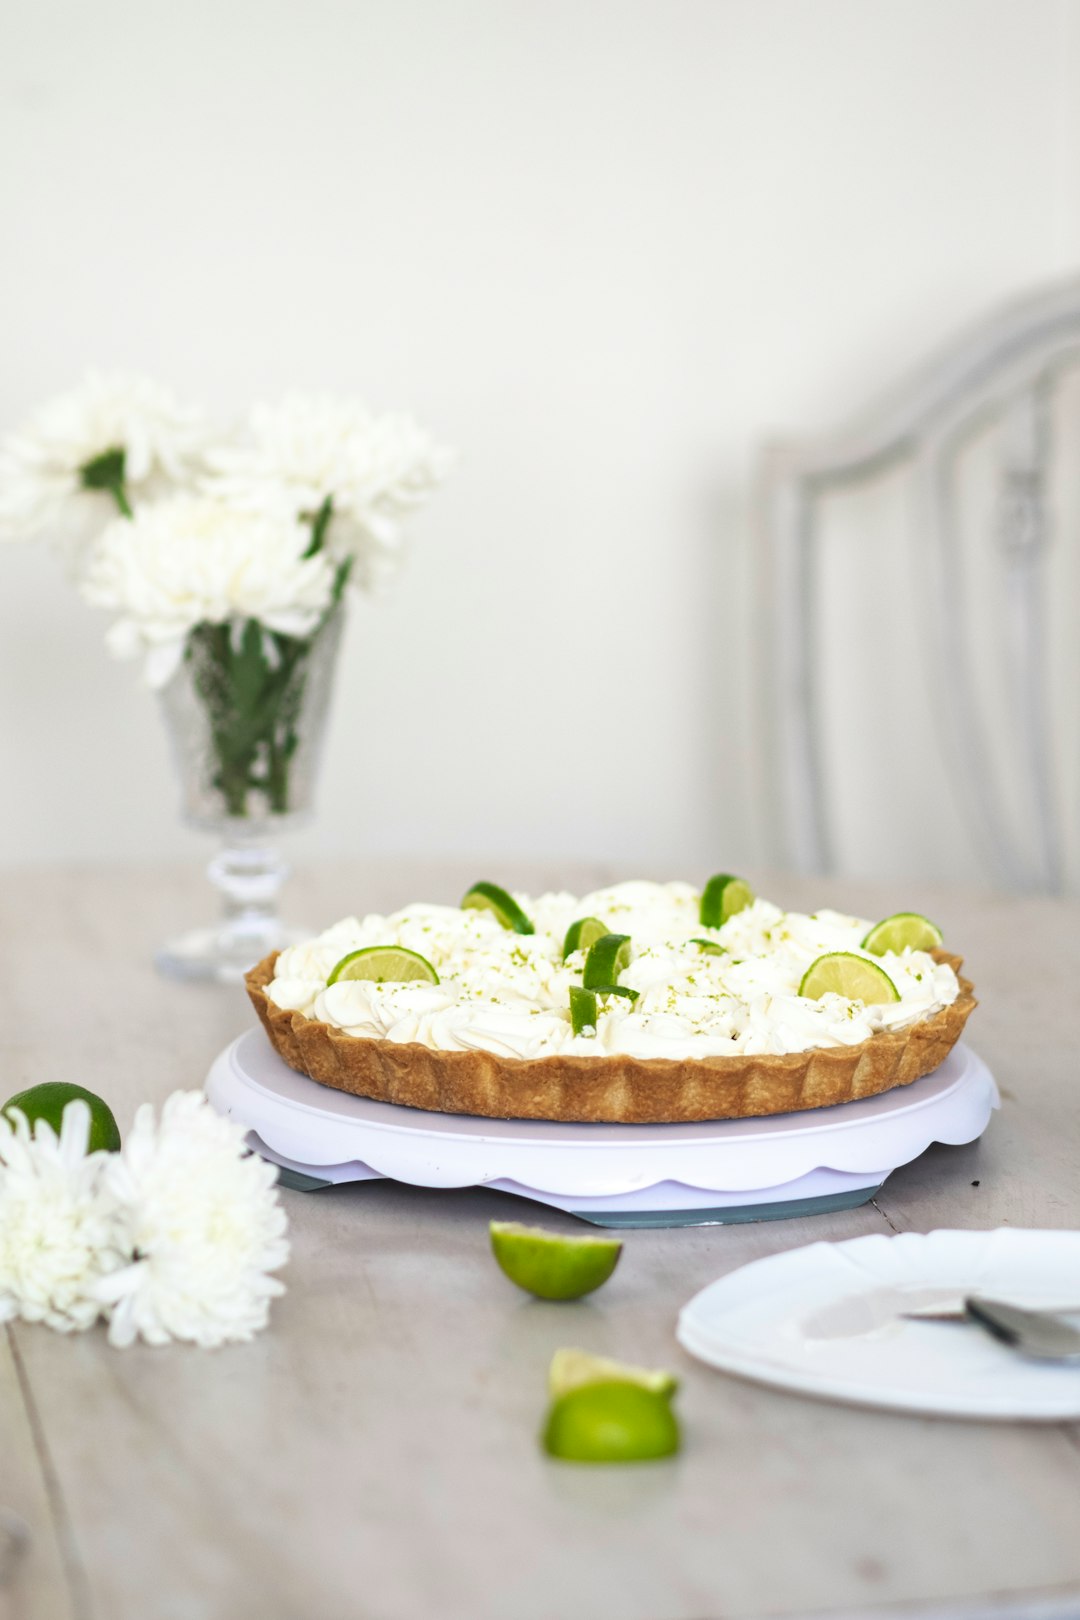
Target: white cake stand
613, 1175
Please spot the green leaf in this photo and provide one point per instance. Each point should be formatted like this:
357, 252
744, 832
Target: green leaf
107, 472
341, 579
104, 471
320, 522
250, 668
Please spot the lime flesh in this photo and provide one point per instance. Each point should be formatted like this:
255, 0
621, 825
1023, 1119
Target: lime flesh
385, 964
570, 1369
605, 961
581, 934
848, 975
710, 947
905, 930
48, 1102
503, 906
722, 897
551, 1265
616, 1422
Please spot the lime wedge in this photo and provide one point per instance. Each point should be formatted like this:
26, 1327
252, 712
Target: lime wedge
386, 964
581, 934
904, 930
617, 1422
848, 975
710, 947
503, 906
570, 1369
583, 1003
582, 1009
722, 897
551, 1265
48, 1102
606, 960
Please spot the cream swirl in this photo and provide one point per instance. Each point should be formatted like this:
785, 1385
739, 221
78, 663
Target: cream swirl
508, 993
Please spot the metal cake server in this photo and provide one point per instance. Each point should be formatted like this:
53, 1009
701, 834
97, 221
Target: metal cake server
1040, 1334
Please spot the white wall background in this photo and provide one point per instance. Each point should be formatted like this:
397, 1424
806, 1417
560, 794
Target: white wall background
602, 246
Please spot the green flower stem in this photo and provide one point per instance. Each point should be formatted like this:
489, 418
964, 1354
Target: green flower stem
252, 689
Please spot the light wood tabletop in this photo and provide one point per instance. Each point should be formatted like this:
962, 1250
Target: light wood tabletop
374, 1453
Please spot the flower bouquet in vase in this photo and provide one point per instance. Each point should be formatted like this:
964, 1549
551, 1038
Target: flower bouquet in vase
227, 566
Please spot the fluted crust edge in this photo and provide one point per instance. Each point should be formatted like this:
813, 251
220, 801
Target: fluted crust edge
614, 1088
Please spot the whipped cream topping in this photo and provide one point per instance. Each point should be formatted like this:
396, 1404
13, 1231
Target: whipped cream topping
509, 993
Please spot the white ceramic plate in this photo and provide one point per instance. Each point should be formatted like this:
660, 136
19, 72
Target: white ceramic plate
825, 1320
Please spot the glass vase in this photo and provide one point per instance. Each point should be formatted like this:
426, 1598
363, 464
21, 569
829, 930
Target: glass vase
246, 713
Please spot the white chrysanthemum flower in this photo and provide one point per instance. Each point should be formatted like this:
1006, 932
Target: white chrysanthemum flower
58, 1233
303, 451
204, 1223
41, 483
191, 560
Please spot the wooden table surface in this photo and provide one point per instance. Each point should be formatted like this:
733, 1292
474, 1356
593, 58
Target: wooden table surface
374, 1454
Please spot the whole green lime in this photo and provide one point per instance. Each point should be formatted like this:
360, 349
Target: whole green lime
48, 1102
611, 1423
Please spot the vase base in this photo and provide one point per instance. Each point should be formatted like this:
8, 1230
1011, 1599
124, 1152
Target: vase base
222, 955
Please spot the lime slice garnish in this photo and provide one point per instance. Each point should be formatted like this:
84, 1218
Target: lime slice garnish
581, 934
722, 897
48, 1102
571, 1369
615, 1422
583, 1003
904, 930
606, 960
386, 964
848, 975
503, 906
582, 1009
551, 1265
710, 947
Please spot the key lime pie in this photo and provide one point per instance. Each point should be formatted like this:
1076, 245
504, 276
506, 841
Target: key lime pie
643, 1002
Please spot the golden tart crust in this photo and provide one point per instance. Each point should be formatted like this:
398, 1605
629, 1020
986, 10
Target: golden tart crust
612, 1089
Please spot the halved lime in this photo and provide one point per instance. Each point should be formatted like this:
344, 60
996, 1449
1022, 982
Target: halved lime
614, 1422
581, 934
710, 947
848, 975
904, 930
582, 1009
48, 1102
503, 906
571, 1369
550, 1264
606, 960
386, 964
722, 897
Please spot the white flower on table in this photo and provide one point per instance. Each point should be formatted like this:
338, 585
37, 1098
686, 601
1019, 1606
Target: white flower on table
204, 1225
302, 453
58, 1231
191, 560
112, 432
